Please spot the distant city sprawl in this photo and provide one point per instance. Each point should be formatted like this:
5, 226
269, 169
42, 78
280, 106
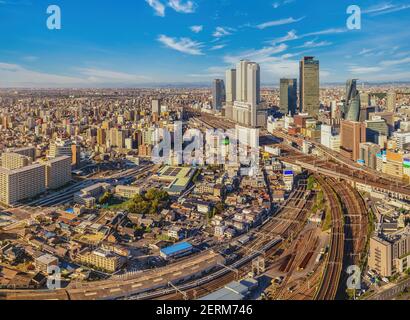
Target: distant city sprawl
217, 153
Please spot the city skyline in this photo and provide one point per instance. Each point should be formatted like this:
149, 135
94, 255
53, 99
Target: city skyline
180, 44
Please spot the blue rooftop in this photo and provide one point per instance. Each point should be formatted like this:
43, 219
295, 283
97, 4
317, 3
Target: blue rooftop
176, 248
70, 210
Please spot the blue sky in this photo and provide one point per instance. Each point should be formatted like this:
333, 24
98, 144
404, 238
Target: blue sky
106, 43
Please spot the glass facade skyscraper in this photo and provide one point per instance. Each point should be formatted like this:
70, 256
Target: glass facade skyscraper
288, 96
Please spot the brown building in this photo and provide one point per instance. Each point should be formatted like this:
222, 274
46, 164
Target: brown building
352, 134
390, 254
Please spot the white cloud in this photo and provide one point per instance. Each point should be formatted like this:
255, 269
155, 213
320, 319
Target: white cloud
14, 75
385, 8
260, 55
277, 4
196, 29
179, 6
158, 7
389, 63
363, 70
325, 32
222, 32
210, 73
109, 76
184, 45
278, 22
314, 44
291, 35
30, 58
218, 47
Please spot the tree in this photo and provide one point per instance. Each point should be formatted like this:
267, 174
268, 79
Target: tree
105, 198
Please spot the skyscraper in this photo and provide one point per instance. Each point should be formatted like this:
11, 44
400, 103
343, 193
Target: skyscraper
288, 96
218, 94
352, 103
253, 90
391, 101
230, 88
309, 86
230, 82
241, 79
247, 93
156, 106
352, 134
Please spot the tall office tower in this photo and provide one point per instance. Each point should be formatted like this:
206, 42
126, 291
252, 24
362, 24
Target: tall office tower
230, 86
288, 96
241, 79
218, 94
60, 148
391, 101
25, 151
376, 128
230, 82
247, 93
352, 103
364, 100
58, 172
156, 106
22, 183
309, 86
253, 92
101, 136
75, 154
368, 153
10, 160
352, 134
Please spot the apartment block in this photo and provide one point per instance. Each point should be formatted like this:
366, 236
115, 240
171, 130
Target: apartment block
58, 172
22, 183
11, 160
390, 254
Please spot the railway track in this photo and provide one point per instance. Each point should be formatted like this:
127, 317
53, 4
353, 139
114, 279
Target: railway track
334, 263
294, 208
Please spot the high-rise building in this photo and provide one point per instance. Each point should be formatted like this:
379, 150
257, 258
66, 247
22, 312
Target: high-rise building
156, 106
288, 96
247, 93
376, 128
101, 136
230, 87
352, 103
60, 148
309, 86
218, 94
230, 82
389, 253
364, 100
58, 172
22, 183
11, 160
241, 79
25, 151
391, 101
352, 134
368, 153
75, 154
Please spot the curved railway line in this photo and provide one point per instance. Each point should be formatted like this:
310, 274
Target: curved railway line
151, 284
333, 270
